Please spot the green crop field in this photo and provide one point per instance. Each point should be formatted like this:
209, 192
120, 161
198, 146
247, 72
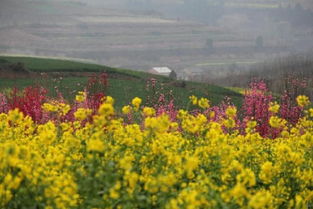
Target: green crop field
123, 85
55, 65
35, 64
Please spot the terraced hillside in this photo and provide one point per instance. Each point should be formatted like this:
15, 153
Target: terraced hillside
143, 39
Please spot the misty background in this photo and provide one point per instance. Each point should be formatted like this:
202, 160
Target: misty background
202, 40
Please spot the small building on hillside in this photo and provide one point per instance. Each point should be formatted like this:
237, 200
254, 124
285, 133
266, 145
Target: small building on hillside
165, 71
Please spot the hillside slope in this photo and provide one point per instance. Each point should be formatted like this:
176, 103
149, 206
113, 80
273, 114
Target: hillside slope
71, 76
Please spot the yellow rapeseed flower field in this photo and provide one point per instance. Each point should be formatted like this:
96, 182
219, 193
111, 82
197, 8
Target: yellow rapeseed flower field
193, 162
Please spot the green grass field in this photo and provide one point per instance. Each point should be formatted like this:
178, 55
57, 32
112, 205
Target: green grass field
123, 84
36, 64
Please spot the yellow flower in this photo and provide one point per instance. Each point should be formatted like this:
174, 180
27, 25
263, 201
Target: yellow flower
15, 116
277, 122
181, 114
229, 123
267, 172
303, 101
274, 107
239, 192
131, 178
106, 109
151, 185
114, 191
136, 102
199, 161
81, 96
65, 108
193, 99
95, 145
126, 162
114, 194
172, 204
82, 113
126, 109
194, 124
262, 199
191, 164
109, 100
49, 107
56, 106
300, 203
251, 124
246, 177
231, 111
158, 124
148, 111
203, 103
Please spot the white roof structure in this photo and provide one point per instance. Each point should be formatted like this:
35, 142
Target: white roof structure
162, 70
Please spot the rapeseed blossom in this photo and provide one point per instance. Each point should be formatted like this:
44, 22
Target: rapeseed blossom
277, 122
126, 109
193, 99
81, 96
95, 145
303, 100
267, 172
231, 111
102, 160
203, 103
148, 111
274, 107
136, 102
82, 113
56, 106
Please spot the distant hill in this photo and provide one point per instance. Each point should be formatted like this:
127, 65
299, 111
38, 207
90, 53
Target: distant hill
171, 33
